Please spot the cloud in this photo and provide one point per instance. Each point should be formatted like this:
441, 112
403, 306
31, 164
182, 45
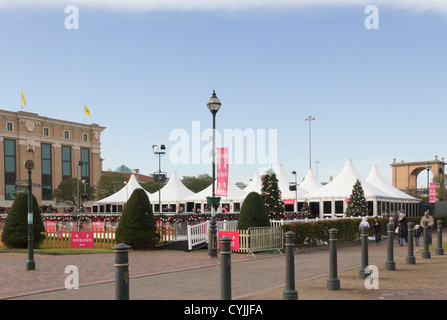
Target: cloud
230, 5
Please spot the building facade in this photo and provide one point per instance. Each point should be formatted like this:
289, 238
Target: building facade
59, 149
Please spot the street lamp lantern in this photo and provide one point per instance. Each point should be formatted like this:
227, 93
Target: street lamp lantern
214, 103
310, 119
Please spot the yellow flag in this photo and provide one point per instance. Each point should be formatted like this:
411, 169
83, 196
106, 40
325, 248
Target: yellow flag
23, 99
86, 110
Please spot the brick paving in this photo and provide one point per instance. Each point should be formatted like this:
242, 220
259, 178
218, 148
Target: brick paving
178, 275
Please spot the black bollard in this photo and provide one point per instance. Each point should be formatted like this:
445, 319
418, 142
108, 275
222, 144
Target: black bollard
425, 252
333, 283
290, 293
364, 240
439, 249
390, 264
410, 257
121, 271
225, 268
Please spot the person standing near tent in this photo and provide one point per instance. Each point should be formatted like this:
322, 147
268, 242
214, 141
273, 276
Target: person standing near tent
376, 228
401, 223
431, 222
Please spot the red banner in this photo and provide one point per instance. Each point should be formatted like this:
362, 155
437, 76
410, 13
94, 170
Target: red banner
289, 201
234, 235
82, 239
432, 192
222, 172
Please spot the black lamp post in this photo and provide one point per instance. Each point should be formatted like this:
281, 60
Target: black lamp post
214, 106
159, 177
428, 167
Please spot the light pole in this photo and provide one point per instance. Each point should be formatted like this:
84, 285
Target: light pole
80, 164
214, 106
296, 192
159, 153
309, 118
428, 167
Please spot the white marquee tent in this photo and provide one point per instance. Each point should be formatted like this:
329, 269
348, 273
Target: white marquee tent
114, 203
332, 198
310, 183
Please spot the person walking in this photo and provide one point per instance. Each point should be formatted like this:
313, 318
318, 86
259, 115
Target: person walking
431, 222
376, 228
401, 223
417, 234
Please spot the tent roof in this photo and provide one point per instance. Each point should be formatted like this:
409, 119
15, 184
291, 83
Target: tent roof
174, 190
124, 194
283, 184
234, 193
379, 181
341, 186
310, 183
254, 185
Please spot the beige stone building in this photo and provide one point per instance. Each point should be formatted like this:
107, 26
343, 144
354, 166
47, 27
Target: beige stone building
56, 146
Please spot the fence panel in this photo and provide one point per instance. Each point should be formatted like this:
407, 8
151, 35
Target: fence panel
261, 239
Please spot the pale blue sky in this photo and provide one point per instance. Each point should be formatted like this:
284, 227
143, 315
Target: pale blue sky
376, 94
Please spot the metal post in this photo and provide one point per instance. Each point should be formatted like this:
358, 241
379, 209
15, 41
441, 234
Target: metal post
425, 252
390, 264
333, 283
121, 271
439, 249
290, 293
225, 268
30, 264
364, 240
410, 257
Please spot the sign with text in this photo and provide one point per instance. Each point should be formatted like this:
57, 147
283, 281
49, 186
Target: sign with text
432, 192
81, 239
222, 172
234, 235
289, 201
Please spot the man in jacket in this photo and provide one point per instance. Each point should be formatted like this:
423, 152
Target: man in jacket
431, 223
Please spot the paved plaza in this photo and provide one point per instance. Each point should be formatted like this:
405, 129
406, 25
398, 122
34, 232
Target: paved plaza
178, 275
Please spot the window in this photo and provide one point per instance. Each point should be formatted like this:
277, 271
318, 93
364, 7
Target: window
66, 135
66, 162
46, 172
9, 126
46, 132
85, 158
10, 168
85, 137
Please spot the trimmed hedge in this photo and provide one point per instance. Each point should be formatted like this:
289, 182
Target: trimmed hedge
314, 233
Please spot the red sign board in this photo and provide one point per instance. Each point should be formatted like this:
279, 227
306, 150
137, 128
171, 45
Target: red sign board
82, 239
234, 235
289, 201
222, 172
432, 192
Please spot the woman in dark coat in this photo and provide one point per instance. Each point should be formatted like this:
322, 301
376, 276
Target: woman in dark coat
402, 224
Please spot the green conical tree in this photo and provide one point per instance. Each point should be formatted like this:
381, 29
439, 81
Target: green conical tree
305, 210
272, 196
253, 212
137, 227
357, 203
15, 230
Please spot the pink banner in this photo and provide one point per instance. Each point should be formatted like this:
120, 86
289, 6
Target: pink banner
82, 239
289, 201
234, 235
432, 192
98, 225
222, 172
50, 226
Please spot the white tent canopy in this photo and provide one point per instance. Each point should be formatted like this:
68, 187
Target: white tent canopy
341, 186
234, 194
284, 183
121, 196
173, 191
254, 185
376, 179
310, 183
332, 197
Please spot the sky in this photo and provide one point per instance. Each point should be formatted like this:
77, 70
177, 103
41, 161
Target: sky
373, 80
